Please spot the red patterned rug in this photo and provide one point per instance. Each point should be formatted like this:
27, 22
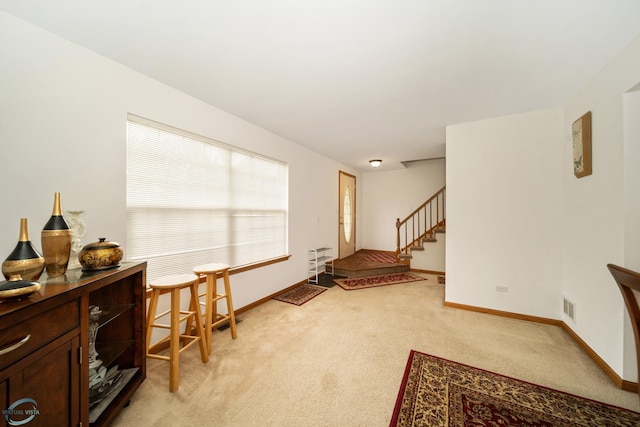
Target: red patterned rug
373, 281
439, 392
300, 294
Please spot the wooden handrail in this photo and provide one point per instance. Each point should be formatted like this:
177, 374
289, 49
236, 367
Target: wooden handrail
421, 227
437, 193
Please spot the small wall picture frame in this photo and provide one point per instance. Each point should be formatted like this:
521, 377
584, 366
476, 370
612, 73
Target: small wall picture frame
581, 136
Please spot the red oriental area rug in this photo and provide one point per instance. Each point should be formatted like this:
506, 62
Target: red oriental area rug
373, 281
439, 392
300, 294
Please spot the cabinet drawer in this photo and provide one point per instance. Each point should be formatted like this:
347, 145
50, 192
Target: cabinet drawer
20, 339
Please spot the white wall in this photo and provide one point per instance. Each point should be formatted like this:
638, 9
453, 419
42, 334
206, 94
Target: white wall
631, 111
504, 213
388, 195
595, 230
63, 112
517, 216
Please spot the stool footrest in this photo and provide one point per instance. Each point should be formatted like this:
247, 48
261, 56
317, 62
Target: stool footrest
218, 297
187, 315
158, 356
192, 341
221, 320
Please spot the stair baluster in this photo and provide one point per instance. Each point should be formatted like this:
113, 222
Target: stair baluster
433, 222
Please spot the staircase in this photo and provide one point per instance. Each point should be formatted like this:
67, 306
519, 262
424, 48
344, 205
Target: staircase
421, 226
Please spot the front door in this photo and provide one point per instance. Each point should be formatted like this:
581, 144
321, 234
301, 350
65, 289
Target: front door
347, 215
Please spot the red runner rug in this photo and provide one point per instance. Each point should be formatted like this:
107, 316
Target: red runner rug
373, 281
300, 294
439, 392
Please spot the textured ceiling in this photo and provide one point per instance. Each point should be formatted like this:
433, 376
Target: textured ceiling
355, 79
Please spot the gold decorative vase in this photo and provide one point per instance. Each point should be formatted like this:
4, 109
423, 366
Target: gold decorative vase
56, 241
17, 288
24, 260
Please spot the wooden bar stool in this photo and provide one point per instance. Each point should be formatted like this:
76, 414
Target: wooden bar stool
211, 298
175, 283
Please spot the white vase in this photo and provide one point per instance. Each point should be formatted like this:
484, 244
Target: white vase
78, 230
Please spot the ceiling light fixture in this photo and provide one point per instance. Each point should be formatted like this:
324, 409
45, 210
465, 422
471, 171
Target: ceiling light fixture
375, 163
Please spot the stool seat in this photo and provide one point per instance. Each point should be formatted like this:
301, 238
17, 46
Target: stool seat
175, 283
214, 267
211, 297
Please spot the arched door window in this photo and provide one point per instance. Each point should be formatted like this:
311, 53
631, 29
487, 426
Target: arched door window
347, 220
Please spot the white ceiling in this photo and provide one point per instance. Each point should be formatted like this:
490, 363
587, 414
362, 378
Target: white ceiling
355, 79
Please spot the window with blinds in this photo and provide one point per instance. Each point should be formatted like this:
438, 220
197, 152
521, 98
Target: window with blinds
192, 200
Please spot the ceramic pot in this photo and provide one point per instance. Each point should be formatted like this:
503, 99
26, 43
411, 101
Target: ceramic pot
17, 288
24, 260
100, 255
56, 241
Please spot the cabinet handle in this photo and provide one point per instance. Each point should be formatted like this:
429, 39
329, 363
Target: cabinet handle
12, 347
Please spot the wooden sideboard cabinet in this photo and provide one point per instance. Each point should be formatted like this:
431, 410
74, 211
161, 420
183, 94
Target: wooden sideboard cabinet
44, 348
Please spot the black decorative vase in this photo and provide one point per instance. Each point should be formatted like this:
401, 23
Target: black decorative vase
56, 241
24, 261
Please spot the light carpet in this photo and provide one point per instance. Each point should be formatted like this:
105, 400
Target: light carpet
339, 360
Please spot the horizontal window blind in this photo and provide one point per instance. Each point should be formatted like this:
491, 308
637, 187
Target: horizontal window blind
191, 201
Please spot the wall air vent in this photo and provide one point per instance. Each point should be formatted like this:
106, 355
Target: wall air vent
569, 309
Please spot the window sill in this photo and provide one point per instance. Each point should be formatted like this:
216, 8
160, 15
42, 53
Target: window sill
242, 268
